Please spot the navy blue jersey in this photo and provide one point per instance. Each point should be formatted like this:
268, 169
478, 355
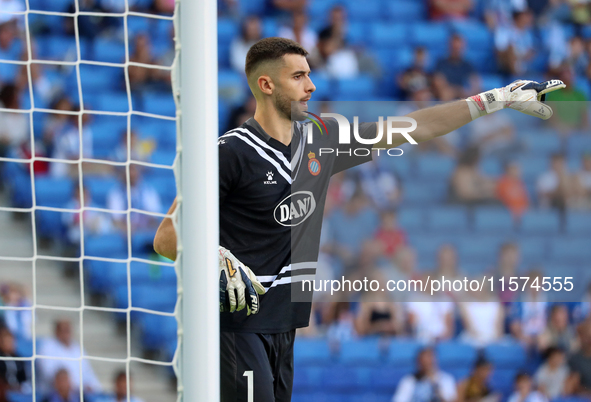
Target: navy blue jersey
271, 203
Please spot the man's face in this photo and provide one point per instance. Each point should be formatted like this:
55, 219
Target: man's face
63, 332
293, 87
62, 383
427, 361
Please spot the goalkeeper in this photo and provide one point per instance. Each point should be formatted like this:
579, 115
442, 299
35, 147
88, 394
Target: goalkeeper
273, 186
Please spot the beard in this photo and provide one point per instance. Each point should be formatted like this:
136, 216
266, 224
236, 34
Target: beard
284, 107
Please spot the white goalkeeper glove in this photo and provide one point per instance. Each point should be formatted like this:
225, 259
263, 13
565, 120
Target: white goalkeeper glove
239, 286
524, 96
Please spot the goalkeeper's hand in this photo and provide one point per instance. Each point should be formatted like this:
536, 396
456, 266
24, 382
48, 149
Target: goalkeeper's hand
239, 286
524, 96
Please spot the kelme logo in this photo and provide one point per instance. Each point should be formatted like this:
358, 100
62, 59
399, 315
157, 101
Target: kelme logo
295, 209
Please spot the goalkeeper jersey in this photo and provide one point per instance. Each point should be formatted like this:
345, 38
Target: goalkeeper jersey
271, 204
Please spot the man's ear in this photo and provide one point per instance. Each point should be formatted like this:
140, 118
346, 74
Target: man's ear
266, 84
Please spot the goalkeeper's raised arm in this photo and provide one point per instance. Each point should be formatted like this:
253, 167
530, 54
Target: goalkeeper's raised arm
524, 96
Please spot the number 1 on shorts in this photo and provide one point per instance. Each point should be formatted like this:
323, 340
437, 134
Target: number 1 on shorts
250, 384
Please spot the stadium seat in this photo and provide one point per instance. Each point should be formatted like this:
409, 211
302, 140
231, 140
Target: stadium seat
252, 7
355, 88
578, 145
158, 104
99, 188
49, 224
476, 35
411, 219
368, 10
386, 379
490, 166
356, 33
359, 352
402, 353
106, 246
578, 223
342, 378
108, 50
481, 248
434, 36
540, 222
490, 220
459, 373
309, 351
306, 378
388, 34
94, 79
13, 396
542, 143
570, 250
50, 192
490, 81
435, 167
405, 10
231, 86
453, 354
110, 102
447, 220
506, 355
157, 330
533, 250
502, 380
227, 30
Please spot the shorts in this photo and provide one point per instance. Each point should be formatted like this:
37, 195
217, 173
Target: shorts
256, 367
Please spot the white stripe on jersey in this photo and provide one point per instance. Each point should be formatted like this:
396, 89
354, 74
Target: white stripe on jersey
262, 153
291, 279
264, 145
294, 268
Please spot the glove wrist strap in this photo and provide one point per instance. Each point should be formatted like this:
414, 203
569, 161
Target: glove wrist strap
485, 103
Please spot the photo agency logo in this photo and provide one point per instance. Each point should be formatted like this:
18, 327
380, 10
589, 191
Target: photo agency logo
394, 126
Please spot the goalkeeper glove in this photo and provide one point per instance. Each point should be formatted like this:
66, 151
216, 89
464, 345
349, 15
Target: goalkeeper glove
524, 96
236, 279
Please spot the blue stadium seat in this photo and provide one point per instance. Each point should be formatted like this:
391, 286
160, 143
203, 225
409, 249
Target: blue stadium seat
50, 192
157, 330
345, 379
435, 167
483, 249
137, 25
62, 48
146, 297
386, 379
406, 10
388, 34
231, 86
578, 145
98, 79
475, 34
368, 10
99, 188
427, 246
106, 246
355, 353
108, 50
453, 354
540, 222
252, 7
13, 396
489, 81
570, 250
402, 167
356, 33
402, 353
307, 351
421, 193
157, 104
506, 355
411, 219
101, 275
459, 373
164, 157
110, 102
356, 88
227, 29
270, 27
434, 36
533, 249
447, 219
323, 86
493, 220
542, 143
502, 380
307, 378
578, 223
49, 224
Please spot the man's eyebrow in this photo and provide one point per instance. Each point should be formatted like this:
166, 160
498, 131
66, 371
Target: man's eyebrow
301, 72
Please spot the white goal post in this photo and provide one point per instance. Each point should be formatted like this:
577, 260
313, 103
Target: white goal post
198, 219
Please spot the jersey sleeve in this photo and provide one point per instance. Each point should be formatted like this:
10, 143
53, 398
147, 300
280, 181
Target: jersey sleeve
229, 168
355, 153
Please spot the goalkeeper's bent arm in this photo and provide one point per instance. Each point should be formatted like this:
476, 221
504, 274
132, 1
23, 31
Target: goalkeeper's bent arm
165, 239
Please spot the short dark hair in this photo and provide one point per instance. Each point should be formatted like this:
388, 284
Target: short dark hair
268, 49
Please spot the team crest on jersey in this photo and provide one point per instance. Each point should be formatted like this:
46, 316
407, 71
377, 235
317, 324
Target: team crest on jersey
313, 164
270, 180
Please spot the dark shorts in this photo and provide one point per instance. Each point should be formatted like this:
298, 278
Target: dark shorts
257, 364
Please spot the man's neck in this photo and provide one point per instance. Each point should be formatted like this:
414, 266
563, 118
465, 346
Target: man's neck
274, 125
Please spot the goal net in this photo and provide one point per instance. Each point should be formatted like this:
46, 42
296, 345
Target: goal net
89, 162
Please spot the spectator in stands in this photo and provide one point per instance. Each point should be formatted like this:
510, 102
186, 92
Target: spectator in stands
379, 184
143, 197
584, 182
558, 333
475, 388
524, 390
63, 346
577, 57
241, 113
13, 373
415, 78
14, 127
142, 78
557, 187
389, 235
515, 44
333, 58
164, 6
483, 319
250, 33
140, 149
338, 23
430, 318
570, 108
500, 12
299, 31
10, 6
458, 72
66, 145
19, 322
428, 383
447, 266
121, 389
511, 190
91, 26
468, 185
580, 362
378, 315
494, 135
95, 223
554, 378
528, 315
340, 320
450, 9
57, 122
507, 266
63, 391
